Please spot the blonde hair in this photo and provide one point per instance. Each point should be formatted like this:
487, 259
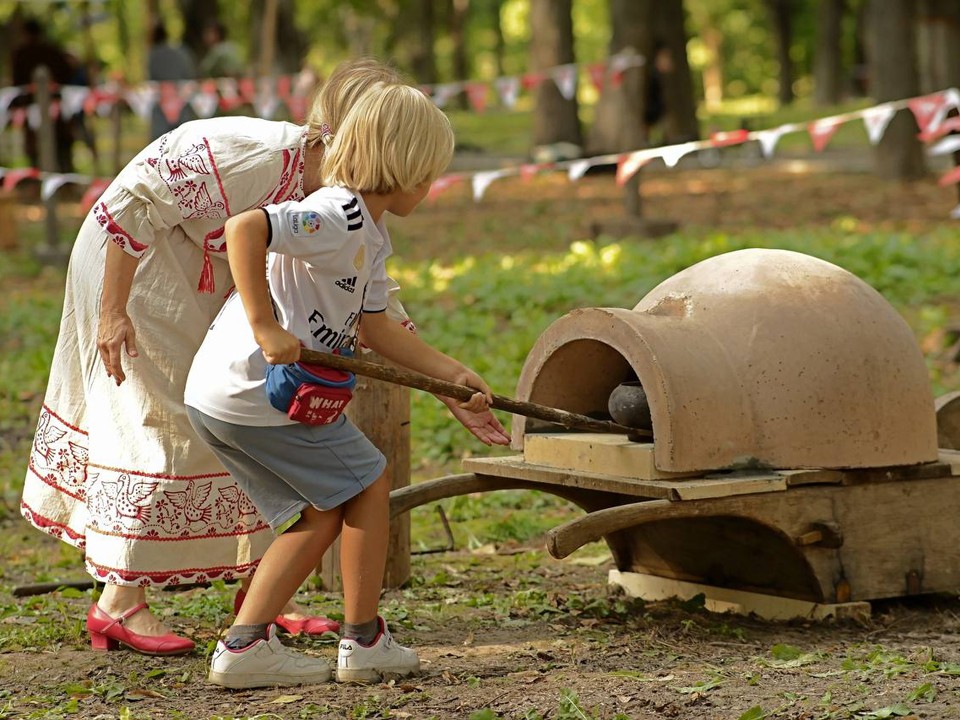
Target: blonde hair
348, 82
393, 139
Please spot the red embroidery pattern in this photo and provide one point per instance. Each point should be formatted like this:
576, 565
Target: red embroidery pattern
131, 505
292, 167
194, 181
57, 530
119, 576
59, 455
117, 234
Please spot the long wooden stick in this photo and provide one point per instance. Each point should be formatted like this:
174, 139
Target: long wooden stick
418, 381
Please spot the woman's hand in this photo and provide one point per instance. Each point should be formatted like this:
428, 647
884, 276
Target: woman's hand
115, 332
279, 346
483, 425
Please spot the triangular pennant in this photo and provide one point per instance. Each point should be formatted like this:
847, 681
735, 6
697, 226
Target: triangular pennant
630, 164
477, 95
171, 104
443, 93
141, 99
247, 89
532, 80
622, 62
442, 183
529, 170
106, 99
821, 131
508, 89
482, 180
565, 76
54, 181
950, 178
598, 75
578, 168
955, 213
93, 193
205, 101
229, 96
284, 85
72, 98
7, 95
926, 109
946, 146
671, 154
730, 137
92, 103
18, 117
949, 125
768, 139
266, 102
13, 177
876, 120
298, 107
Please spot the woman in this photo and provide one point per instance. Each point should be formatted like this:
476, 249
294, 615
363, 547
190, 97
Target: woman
115, 467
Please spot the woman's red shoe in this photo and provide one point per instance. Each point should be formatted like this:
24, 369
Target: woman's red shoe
108, 633
314, 625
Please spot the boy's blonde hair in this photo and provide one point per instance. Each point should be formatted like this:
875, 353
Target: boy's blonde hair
393, 139
346, 84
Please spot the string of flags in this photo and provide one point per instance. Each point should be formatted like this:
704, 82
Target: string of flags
266, 95
930, 111
939, 130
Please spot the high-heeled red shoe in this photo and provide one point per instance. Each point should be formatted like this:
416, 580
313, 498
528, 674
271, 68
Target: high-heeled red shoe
108, 633
315, 625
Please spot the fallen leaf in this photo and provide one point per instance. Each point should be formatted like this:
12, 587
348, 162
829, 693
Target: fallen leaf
286, 699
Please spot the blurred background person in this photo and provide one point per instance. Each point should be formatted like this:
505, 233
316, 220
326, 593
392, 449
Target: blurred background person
222, 58
167, 62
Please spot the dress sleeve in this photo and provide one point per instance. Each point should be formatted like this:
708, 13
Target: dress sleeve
186, 175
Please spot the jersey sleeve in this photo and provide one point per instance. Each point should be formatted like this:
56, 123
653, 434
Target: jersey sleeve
188, 174
378, 286
312, 230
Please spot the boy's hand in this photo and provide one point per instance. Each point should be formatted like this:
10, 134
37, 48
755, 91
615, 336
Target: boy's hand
482, 399
279, 347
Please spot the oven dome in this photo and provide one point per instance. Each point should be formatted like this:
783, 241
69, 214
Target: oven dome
756, 357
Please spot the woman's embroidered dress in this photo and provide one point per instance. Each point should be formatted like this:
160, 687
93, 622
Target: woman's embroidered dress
118, 471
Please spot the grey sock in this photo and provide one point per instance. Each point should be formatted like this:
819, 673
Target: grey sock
364, 633
241, 636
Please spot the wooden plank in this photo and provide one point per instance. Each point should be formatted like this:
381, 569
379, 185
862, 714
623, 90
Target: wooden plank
516, 466
606, 454
734, 484
814, 476
717, 599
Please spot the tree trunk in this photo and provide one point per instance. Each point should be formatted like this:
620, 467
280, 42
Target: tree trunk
780, 15
551, 43
892, 53
713, 70
938, 43
827, 85
290, 45
680, 119
501, 43
197, 14
618, 123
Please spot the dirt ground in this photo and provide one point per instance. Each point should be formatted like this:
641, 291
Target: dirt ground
524, 636
516, 634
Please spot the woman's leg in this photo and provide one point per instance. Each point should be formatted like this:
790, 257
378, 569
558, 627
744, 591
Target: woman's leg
115, 600
287, 563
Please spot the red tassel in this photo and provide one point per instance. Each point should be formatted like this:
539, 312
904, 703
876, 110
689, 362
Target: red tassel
206, 285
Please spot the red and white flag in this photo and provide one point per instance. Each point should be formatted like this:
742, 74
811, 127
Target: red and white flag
876, 120
565, 76
508, 89
822, 130
927, 109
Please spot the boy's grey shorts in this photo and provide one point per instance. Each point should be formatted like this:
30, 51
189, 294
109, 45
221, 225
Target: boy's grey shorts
286, 468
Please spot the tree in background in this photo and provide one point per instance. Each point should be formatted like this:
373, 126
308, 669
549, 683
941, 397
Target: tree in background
892, 55
619, 123
827, 57
680, 121
939, 44
551, 43
782, 21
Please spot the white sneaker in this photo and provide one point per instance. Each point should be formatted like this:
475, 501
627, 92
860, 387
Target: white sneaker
371, 663
265, 663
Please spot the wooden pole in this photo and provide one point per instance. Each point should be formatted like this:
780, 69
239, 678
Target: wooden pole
49, 251
436, 386
381, 411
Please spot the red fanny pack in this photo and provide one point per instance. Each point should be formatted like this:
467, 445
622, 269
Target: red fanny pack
318, 404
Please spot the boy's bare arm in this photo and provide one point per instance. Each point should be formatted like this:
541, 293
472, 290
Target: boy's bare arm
246, 236
396, 343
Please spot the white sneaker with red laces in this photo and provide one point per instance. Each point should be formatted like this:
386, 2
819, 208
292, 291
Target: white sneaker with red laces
372, 663
265, 663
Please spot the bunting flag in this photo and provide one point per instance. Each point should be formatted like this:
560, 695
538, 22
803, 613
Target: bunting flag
935, 109
822, 130
565, 76
508, 89
876, 120
477, 95
205, 101
598, 75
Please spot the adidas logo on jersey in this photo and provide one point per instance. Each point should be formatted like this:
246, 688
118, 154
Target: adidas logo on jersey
349, 284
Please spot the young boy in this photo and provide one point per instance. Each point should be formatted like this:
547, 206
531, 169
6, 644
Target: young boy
326, 288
